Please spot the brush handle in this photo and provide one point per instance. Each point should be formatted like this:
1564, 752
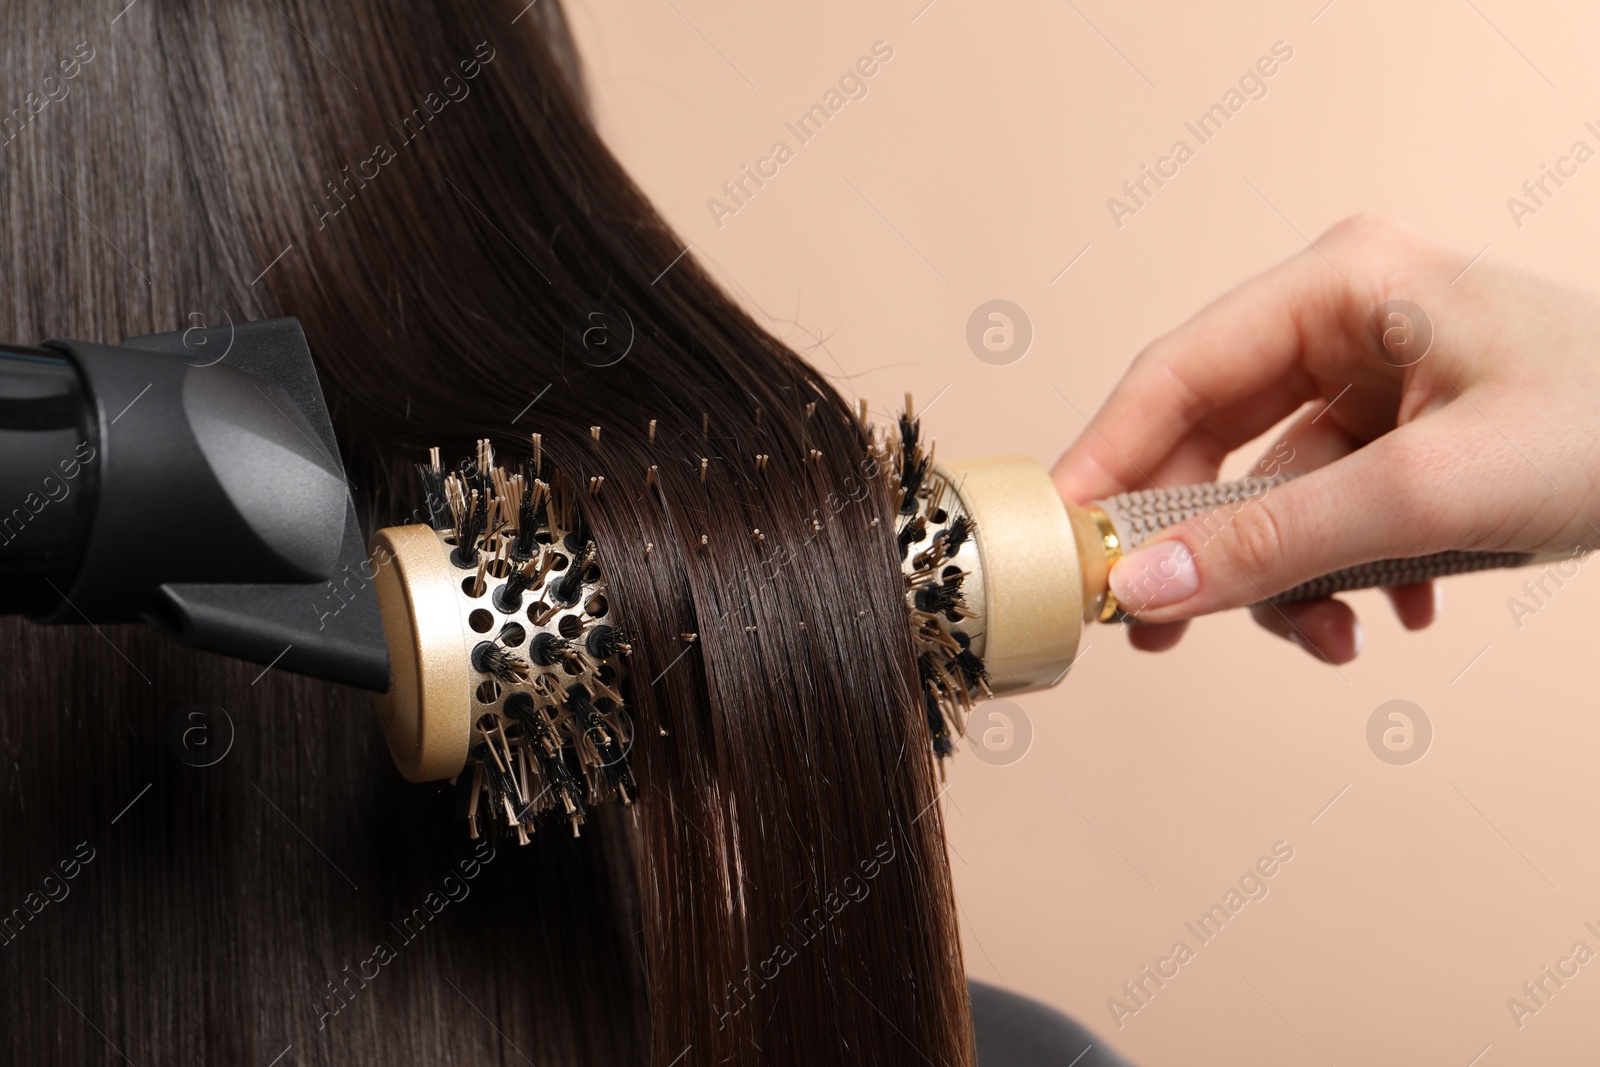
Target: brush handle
1139, 516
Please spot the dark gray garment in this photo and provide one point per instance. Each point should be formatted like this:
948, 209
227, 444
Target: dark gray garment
1014, 1031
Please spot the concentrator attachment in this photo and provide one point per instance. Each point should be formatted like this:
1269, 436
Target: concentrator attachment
190, 480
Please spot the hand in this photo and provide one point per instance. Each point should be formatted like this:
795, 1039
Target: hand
1475, 432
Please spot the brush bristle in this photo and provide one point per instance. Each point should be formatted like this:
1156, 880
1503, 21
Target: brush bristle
929, 534
551, 737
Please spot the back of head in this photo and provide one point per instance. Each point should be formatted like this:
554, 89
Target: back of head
422, 187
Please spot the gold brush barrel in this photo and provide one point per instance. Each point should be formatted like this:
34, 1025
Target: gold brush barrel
426, 714
1036, 570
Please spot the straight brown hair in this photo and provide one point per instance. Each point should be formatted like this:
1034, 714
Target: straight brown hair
421, 185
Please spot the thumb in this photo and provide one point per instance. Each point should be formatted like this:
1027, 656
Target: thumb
1367, 505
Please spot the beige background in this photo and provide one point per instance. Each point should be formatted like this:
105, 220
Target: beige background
978, 166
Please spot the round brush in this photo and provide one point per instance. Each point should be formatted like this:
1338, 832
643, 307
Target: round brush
506, 676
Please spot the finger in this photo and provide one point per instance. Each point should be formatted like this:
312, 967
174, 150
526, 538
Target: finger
1196, 457
1313, 440
1326, 629
1156, 636
1243, 352
1416, 605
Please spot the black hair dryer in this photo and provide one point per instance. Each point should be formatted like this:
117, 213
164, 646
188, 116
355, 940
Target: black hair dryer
190, 480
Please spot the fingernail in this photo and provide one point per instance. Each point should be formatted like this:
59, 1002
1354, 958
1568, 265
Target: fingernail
1154, 577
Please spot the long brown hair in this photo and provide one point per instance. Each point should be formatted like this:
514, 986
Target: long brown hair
421, 185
